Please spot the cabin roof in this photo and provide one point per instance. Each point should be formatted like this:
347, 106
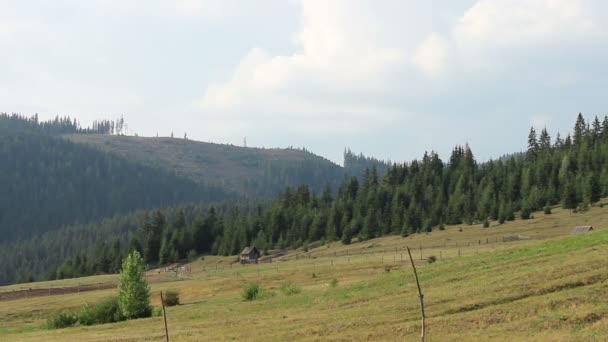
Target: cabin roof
249, 249
582, 229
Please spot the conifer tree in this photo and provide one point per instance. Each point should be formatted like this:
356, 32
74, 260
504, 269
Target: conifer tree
532, 145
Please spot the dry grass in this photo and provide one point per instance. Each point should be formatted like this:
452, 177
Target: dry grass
545, 288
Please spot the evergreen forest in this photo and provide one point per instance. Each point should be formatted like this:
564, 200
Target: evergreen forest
407, 198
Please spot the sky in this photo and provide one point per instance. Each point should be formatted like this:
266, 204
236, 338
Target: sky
390, 79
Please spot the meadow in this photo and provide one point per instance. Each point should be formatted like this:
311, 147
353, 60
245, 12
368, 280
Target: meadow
546, 285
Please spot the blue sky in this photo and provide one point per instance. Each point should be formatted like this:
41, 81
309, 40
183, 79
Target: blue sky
390, 79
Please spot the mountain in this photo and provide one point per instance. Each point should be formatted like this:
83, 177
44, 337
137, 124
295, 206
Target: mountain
56, 173
246, 171
48, 181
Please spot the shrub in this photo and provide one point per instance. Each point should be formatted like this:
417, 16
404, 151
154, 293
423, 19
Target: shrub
547, 209
486, 223
61, 320
251, 291
314, 275
442, 226
387, 268
157, 311
333, 282
460, 229
85, 317
171, 297
108, 311
431, 259
525, 213
290, 288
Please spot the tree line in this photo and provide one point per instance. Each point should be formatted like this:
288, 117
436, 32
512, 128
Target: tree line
64, 124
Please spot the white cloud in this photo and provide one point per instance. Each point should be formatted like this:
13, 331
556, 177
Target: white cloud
509, 23
337, 55
305, 69
432, 55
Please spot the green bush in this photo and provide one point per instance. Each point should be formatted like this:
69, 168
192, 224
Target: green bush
431, 259
333, 282
290, 288
61, 320
251, 291
86, 317
157, 311
106, 311
171, 297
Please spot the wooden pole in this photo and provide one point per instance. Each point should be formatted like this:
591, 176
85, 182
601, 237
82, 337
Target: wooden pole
420, 295
162, 302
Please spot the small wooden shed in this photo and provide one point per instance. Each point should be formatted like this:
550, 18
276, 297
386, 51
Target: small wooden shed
250, 255
582, 229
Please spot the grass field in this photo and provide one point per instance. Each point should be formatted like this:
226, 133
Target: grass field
550, 287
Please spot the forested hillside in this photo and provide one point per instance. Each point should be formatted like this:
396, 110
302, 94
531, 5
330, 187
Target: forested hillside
68, 174
47, 182
249, 172
98, 247
412, 197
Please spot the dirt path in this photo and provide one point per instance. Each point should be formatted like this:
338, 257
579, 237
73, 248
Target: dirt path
51, 291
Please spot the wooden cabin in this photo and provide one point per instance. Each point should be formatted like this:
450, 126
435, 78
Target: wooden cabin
250, 255
582, 229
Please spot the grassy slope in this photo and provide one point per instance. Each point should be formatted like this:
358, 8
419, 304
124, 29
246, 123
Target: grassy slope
232, 167
552, 287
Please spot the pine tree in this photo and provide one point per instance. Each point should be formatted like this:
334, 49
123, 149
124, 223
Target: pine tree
569, 195
597, 128
532, 151
347, 235
580, 129
559, 142
544, 141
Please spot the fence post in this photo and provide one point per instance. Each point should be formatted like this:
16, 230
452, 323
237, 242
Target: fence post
162, 301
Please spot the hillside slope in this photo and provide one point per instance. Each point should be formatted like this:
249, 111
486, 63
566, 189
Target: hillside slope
252, 172
534, 290
48, 182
